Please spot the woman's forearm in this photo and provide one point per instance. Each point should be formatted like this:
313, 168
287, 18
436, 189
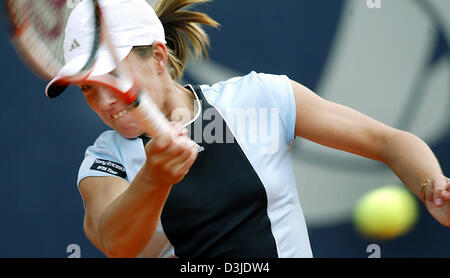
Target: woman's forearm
411, 160
129, 222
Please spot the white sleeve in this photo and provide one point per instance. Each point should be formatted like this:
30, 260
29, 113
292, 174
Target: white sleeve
102, 160
281, 94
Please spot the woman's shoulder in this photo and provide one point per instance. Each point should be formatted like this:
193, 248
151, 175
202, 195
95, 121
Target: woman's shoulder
245, 88
250, 80
105, 138
236, 79
111, 139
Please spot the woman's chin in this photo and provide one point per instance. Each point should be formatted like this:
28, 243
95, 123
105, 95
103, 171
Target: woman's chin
129, 132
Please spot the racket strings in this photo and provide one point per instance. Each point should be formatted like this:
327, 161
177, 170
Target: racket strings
39, 31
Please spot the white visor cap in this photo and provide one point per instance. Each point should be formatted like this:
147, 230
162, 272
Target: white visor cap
130, 23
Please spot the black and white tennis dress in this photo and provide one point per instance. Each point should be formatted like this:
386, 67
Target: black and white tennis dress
239, 199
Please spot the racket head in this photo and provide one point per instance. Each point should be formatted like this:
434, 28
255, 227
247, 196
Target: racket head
37, 32
61, 42
95, 57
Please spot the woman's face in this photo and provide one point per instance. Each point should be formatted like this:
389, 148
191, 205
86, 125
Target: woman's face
112, 109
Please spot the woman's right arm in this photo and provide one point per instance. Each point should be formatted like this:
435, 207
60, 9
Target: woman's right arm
121, 217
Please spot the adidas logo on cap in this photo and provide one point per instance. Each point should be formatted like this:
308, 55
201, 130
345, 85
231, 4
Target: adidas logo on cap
75, 45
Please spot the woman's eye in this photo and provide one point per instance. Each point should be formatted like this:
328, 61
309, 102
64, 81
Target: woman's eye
87, 89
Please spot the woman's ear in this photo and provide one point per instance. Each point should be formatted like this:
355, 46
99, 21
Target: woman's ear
160, 57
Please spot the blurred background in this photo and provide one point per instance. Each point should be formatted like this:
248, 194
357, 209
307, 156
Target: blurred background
387, 59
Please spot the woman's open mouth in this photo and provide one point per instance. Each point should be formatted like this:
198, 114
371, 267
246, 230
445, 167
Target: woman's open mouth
120, 114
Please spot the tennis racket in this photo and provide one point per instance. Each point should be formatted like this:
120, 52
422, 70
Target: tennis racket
37, 29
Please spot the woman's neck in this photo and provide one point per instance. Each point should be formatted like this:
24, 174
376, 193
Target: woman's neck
179, 104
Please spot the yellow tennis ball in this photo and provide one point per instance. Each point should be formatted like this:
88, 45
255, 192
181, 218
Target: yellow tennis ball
386, 213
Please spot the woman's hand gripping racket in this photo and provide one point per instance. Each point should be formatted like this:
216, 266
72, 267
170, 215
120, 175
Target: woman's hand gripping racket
37, 32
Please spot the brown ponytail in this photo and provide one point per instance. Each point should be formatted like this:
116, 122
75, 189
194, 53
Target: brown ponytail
184, 32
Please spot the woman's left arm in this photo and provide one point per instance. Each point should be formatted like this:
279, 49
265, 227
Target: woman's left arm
340, 127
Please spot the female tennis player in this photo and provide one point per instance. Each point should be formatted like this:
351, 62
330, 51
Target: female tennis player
157, 197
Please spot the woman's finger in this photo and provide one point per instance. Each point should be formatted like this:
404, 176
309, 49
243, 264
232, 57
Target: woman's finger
439, 186
445, 194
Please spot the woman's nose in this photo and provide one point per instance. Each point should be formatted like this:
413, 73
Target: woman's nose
106, 98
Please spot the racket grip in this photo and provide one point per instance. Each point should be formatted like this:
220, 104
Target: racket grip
153, 120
